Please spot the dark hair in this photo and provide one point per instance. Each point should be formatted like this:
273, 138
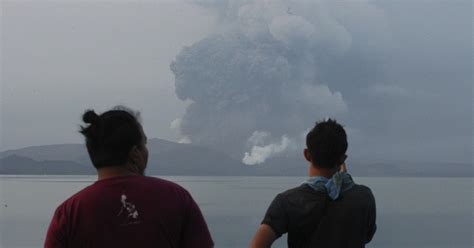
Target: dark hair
327, 143
111, 136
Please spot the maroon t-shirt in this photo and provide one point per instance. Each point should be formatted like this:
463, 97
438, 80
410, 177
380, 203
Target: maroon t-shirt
129, 211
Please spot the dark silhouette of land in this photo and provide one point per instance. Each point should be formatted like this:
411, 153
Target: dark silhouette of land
170, 158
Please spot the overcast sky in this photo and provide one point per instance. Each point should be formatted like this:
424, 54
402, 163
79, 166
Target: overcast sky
60, 58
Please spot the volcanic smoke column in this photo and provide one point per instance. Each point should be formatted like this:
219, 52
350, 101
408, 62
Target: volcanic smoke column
265, 69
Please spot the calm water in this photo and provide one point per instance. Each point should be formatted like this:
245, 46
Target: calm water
412, 212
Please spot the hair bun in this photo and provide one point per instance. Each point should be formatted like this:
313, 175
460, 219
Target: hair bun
90, 117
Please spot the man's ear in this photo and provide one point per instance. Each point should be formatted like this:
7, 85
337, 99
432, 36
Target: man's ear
344, 157
134, 154
307, 155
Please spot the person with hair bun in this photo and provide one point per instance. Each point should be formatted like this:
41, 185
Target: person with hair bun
125, 208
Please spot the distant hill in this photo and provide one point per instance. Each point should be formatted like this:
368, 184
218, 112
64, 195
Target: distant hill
170, 158
72, 152
14, 164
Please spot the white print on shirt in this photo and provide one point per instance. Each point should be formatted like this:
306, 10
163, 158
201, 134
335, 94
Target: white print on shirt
128, 209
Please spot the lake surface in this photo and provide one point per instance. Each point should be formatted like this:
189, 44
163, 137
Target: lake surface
411, 212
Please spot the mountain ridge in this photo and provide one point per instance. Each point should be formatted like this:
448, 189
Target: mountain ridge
171, 158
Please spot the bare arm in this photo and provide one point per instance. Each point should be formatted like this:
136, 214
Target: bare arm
264, 237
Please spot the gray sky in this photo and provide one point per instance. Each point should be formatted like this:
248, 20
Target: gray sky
60, 58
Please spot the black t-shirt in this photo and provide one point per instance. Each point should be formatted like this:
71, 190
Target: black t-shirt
311, 219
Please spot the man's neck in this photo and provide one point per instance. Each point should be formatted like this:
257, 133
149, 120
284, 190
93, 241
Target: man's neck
112, 171
315, 171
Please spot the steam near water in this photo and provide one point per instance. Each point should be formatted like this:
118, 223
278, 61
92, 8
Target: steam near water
260, 152
275, 66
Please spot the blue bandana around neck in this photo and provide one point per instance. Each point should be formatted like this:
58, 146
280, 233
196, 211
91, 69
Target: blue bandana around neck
338, 183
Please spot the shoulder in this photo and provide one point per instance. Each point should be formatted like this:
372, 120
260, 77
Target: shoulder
302, 189
162, 184
165, 188
156, 181
362, 194
68, 205
362, 189
78, 195
301, 195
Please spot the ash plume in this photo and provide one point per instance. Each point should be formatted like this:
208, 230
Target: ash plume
275, 66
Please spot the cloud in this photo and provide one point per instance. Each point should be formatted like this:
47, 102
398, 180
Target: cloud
185, 140
275, 66
258, 138
176, 124
321, 97
259, 152
390, 90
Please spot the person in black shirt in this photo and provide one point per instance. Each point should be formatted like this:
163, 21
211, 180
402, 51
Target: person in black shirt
329, 209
